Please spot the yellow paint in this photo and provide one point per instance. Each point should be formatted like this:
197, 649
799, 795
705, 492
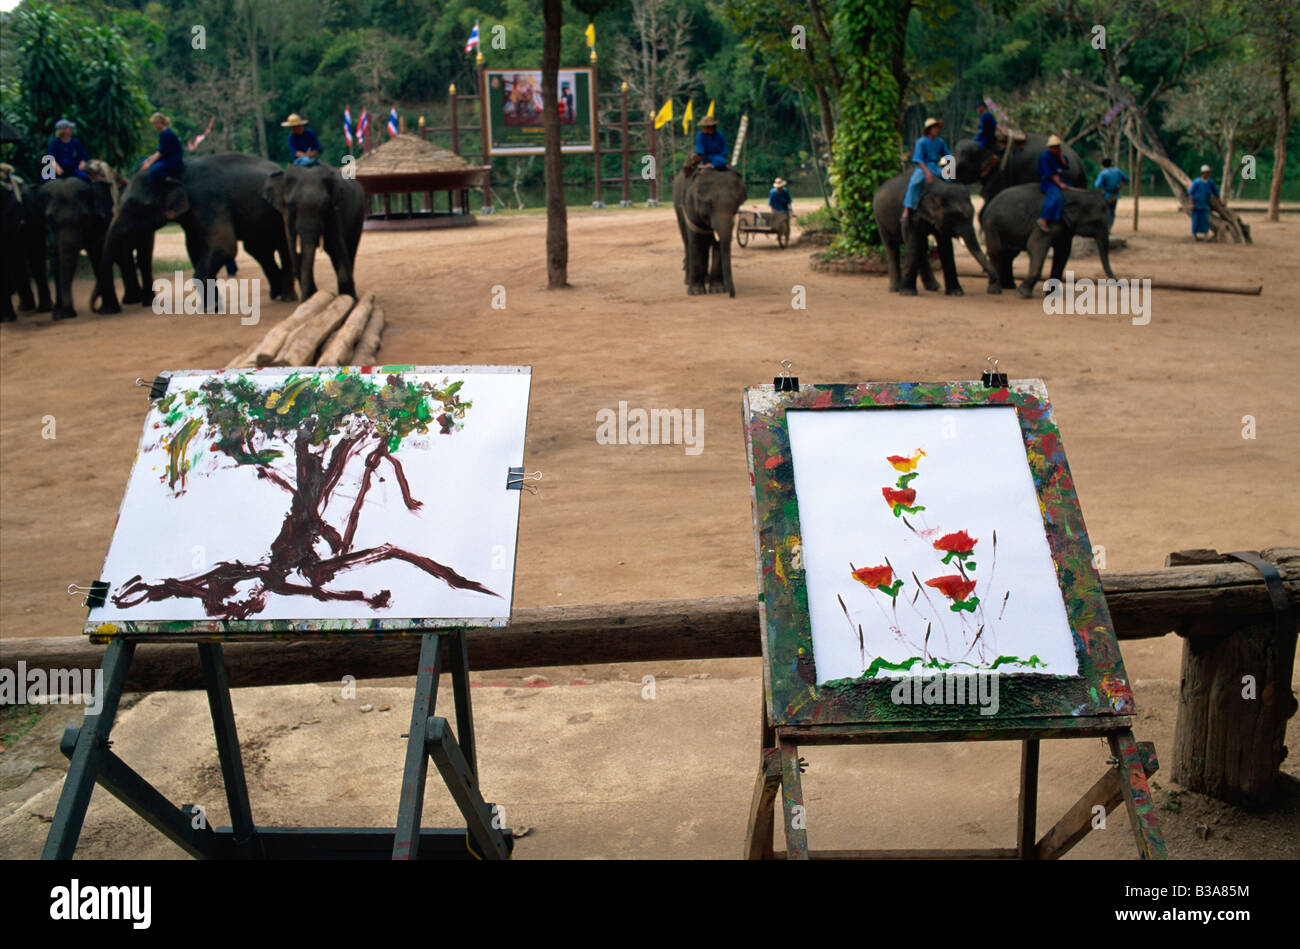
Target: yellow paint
909, 464
290, 393
108, 629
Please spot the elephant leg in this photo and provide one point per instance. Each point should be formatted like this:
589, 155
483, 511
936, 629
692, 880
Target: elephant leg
132, 292
1061, 257
951, 285
907, 280
36, 255
264, 254
698, 263
68, 252
1006, 269
144, 260
716, 283
342, 262
1038, 247
891, 254
923, 258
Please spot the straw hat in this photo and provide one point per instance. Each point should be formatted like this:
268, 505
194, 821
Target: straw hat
932, 121
294, 119
780, 183
708, 120
1054, 140
1205, 168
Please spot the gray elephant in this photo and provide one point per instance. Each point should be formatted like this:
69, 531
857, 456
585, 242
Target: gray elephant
944, 210
320, 206
1010, 225
976, 164
24, 238
706, 204
217, 200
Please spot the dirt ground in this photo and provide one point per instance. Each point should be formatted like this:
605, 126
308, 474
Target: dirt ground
1152, 416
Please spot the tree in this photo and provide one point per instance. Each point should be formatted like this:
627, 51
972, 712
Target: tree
325, 422
1276, 25
249, 15
1055, 104
557, 217
1196, 109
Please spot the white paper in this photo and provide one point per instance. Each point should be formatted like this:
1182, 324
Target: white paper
973, 477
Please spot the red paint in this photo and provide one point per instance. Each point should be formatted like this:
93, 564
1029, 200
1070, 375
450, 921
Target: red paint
953, 585
957, 542
904, 496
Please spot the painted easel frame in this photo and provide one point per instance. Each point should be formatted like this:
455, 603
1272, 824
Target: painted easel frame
797, 711
429, 737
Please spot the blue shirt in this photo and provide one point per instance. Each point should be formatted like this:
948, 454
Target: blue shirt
1200, 192
928, 151
170, 155
713, 147
1110, 181
68, 154
988, 133
778, 199
306, 142
1049, 165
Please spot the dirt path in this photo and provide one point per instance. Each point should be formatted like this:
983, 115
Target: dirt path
1152, 415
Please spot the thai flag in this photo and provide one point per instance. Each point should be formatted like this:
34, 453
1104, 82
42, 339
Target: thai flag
347, 125
363, 126
392, 122
471, 44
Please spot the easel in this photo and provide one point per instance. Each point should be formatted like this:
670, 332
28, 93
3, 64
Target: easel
93, 762
780, 767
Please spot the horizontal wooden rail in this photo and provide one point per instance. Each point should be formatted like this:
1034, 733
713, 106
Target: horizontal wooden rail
1201, 600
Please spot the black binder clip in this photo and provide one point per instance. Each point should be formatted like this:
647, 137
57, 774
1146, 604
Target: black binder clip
158, 388
515, 479
786, 382
93, 596
991, 378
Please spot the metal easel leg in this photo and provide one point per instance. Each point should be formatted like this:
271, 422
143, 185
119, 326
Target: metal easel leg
406, 838
213, 661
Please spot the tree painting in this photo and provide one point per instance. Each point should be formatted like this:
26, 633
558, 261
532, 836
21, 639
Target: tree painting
301, 435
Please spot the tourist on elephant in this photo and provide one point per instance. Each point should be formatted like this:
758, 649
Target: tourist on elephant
1200, 192
710, 145
168, 160
1108, 182
987, 136
304, 146
928, 153
1050, 165
69, 154
778, 199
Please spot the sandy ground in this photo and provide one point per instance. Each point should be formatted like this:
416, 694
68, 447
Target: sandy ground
1152, 417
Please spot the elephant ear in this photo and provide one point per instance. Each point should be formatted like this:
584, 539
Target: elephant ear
175, 201
930, 207
273, 189
335, 187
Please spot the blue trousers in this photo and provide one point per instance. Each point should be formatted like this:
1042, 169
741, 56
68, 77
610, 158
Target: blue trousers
1200, 220
1053, 202
914, 185
305, 162
159, 170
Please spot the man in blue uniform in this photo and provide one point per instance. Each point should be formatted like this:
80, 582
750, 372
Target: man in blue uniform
69, 154
168, 160
304, 146
1050, 165
778, 199
1108, 182
710, 145
1200, 192
930, 149
987, 136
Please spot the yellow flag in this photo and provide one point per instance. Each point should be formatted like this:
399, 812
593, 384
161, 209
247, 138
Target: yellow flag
688, 117
710, 112
591, 34
665, 115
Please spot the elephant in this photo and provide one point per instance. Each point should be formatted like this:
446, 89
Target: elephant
706, 204
979, 164
217, 200
24, 238
1010, 225
944, 210
320, 206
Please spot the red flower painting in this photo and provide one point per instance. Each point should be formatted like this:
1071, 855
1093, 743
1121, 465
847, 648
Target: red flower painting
874, 576
958, 543
953, 585
895, 496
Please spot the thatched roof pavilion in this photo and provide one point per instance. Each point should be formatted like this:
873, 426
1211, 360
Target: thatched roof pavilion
410, 165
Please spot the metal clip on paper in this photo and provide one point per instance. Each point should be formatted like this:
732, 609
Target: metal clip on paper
786, 382
92, 596
157, 388
515, 479
992, 378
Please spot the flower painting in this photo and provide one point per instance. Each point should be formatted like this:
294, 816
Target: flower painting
952, 572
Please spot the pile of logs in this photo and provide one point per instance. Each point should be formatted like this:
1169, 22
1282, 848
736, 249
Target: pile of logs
326, 330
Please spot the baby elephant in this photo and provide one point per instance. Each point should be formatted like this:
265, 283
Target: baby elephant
319, 206
944, 210
1010, 225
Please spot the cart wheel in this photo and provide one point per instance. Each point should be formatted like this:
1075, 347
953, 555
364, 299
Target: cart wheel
742, 236
783, 235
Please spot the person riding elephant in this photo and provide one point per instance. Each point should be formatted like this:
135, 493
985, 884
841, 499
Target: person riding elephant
928, 152
1016, 166
320, 206
24, 239
1010, 225
987, 135
66, 154
706, 205
217, 200
304, 145
169, 160
710, 146
1051, 167
944, 210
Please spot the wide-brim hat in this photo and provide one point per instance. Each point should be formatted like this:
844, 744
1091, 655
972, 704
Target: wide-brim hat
708, 120
1205, 168
931, 122
779, 183
293, 119
1054, 140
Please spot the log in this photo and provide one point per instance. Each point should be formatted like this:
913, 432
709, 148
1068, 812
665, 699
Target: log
367, 351
337, 350
1230, 732
1194, 601
300, 347
1245, 289
246, 358
265, 351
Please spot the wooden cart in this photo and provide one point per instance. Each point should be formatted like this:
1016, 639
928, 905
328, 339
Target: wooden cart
763, 222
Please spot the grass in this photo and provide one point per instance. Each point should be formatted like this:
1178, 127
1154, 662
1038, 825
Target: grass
16, 721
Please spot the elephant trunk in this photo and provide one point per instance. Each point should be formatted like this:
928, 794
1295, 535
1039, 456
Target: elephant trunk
105, 292
973, 245
1103, 251
303, 258
724, 248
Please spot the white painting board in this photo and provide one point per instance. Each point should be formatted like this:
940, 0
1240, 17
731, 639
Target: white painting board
456, 512
973, 477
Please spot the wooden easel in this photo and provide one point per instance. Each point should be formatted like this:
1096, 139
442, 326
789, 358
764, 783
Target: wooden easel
93, 762
780, 766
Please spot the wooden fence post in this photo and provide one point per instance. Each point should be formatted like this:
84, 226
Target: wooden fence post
1235, 694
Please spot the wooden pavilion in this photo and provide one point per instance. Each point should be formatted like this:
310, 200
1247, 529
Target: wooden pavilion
408, 165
